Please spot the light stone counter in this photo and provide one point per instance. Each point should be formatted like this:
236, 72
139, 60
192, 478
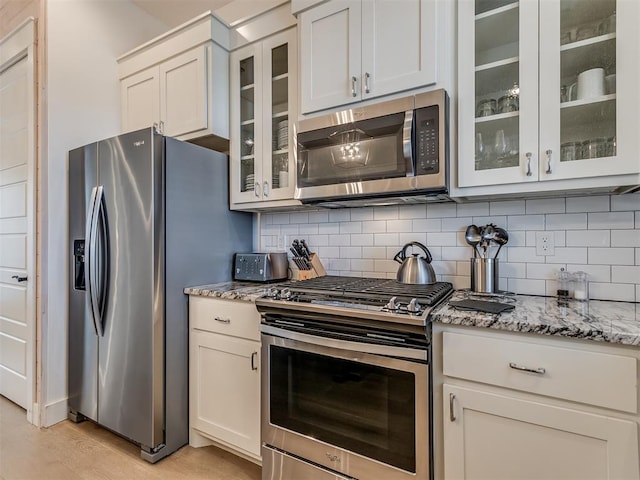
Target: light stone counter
612, 322
243, 291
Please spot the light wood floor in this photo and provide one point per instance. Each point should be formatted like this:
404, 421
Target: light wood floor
69, 451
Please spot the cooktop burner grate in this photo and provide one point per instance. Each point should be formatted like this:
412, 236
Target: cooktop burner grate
371, 288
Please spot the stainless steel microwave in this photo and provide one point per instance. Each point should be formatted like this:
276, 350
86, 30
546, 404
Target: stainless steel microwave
387, 153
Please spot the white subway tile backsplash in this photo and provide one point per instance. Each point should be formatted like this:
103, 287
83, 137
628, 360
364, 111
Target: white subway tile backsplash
340, 215
321, 216
628, 202
512, 207
362, 239
543, 271
456, 224
412, 211
441, 210
442, 239
350, 227
595, 273
611, 220
386, 239
427, 225
458, 282
588, 238
339, 240
567, 221
588, 204
612, 291
329, 228
525, 222
596, 234
625, 238
625, 274
610, 256
473, 209
528, 286
361, 214
546, 205
385, 213
374, 226
399, 225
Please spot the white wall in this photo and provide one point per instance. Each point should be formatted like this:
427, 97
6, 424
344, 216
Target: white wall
84, 38
597, 234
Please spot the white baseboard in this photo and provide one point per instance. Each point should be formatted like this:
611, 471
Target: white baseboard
54, 413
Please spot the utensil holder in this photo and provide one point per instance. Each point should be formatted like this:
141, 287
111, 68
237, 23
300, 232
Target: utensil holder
484, 275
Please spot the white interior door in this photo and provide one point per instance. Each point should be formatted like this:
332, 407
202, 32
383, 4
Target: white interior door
17, 220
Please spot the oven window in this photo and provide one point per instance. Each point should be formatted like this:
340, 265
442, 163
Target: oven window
367, 409
365, 150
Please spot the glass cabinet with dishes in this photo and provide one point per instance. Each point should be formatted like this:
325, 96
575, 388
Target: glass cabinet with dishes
547, 90
263, 99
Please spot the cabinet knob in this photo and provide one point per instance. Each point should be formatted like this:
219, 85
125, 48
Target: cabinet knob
354, 81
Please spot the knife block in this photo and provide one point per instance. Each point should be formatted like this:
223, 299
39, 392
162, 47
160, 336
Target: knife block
317, 269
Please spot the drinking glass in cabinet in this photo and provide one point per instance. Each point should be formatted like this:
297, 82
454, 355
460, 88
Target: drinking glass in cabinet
570, 151
486, 108
608, 25
507, 103
594, 148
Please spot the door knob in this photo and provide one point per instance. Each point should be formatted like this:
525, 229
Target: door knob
18, 278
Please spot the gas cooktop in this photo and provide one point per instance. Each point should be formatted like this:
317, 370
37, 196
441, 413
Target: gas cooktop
357, 297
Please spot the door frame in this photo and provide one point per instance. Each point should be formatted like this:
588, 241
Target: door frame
18, 45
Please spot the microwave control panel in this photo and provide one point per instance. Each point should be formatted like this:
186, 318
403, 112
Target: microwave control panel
426, 141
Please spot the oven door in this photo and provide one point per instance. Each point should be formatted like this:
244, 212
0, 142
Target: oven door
365, 415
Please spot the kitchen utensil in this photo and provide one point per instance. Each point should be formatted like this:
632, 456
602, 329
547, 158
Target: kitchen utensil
501, 237
415, 269
305, 248
487, 233
591, 84
484, 275
473, 237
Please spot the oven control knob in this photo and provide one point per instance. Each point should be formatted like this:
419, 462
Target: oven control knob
414, 306
393, 305
273, 292
286, 294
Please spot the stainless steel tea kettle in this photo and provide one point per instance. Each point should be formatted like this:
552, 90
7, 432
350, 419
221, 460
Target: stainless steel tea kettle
415, 269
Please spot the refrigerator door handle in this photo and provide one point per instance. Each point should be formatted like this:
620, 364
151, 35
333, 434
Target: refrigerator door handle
103, 254
91, 252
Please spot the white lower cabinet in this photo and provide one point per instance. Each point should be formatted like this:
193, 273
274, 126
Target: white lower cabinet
224, 366
515, 406
497, 437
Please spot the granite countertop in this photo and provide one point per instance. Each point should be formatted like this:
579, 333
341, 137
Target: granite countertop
244, 291
612, 322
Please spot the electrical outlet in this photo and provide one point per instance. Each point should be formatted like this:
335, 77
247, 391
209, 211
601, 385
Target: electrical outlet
545, 243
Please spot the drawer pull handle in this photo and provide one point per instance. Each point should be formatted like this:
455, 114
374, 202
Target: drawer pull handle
254, 356
222, 320
539, 371
452, 415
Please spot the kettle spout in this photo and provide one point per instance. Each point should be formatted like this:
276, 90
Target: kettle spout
400, 256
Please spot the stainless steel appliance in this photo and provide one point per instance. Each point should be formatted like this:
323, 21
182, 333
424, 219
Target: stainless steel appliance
391, 152
148, 215
345, 379
261, 267
415, 269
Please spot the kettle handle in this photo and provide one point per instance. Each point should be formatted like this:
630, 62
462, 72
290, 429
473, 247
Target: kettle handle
419, 245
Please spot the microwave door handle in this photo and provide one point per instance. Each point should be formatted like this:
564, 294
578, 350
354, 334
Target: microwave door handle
407, 144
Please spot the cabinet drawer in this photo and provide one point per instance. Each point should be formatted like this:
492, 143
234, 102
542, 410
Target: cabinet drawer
228, 317
599, 379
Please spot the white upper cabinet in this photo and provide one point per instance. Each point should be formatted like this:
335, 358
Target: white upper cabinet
542, 105
263, 111
352, 50
179, 82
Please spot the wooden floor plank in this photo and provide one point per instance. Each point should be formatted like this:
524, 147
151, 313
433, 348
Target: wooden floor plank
85, 451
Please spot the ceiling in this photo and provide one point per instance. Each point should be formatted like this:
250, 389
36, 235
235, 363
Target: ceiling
175, 12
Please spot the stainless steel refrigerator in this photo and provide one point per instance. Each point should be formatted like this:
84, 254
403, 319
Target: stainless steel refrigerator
148, 215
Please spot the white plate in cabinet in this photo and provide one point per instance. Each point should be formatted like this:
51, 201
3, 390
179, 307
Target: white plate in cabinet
576, 375
225, 390
497, 437
227, 317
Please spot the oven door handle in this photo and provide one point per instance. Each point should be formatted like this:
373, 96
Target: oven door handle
359, 347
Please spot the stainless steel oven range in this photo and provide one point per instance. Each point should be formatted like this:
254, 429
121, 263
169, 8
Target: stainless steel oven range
346, 381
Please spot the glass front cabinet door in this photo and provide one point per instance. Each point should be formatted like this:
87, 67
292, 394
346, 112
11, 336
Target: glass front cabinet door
548, 90
263, 99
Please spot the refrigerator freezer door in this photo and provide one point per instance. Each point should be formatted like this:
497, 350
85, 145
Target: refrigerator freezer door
130, 368
83, 342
